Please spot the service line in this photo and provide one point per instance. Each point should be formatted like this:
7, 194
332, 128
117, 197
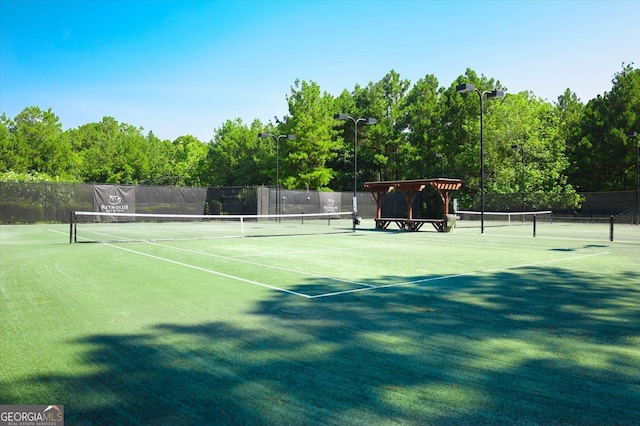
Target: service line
446, 277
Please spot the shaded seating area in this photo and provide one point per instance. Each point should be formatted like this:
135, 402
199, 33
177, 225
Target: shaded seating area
410, 189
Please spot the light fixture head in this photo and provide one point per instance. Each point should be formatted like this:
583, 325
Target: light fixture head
340, 116
465, 88
291, 137
370, 121
264, 135
632, 134
498, 94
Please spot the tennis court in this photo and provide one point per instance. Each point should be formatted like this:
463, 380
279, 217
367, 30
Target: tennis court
365, 327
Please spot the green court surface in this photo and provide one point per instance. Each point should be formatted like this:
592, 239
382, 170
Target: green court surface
371, 327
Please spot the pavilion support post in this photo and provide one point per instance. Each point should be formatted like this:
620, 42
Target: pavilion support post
377, 195
409, 200
446, 199
409, 197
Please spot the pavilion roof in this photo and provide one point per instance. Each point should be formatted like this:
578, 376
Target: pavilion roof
446, 184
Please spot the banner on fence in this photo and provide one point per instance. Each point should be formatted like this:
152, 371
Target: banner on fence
114, 199
330, 201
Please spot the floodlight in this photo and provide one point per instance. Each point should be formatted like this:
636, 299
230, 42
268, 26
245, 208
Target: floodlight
465, 88
498, 94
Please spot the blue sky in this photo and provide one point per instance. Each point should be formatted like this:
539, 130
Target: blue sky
185, 67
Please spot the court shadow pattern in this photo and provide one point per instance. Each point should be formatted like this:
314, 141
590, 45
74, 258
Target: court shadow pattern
541, 345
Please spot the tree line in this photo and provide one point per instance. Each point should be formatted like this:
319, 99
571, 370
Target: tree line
423, 130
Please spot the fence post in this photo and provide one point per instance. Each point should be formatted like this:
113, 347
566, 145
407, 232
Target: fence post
534, 225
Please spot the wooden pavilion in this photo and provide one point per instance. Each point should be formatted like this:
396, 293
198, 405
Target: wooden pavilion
410, 189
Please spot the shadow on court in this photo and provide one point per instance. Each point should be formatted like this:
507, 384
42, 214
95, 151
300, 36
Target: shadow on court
532, 346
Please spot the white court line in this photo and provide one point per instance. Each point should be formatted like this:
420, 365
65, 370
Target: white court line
284, 253
243, 261
368, 286
146, 240
262, 265
209, 271
446, 277
365, 286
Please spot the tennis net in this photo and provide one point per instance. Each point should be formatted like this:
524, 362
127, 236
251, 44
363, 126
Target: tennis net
471, 219
122, 227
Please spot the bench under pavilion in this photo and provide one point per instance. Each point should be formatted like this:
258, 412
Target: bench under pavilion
410, 189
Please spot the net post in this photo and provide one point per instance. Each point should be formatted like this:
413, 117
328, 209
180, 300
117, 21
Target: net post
70, 227
534, 225
611, 228
242, 225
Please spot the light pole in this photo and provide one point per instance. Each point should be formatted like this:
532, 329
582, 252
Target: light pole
466, 88
634, 134
521, 148
365, 121
277, 138
441, 157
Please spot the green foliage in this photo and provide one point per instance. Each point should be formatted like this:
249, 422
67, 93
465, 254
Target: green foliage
384, 142
12, 176
311, 121
342, 160
188, 160
422, 130
238, 157
111, 152
425, 150
34, 142
603, 158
